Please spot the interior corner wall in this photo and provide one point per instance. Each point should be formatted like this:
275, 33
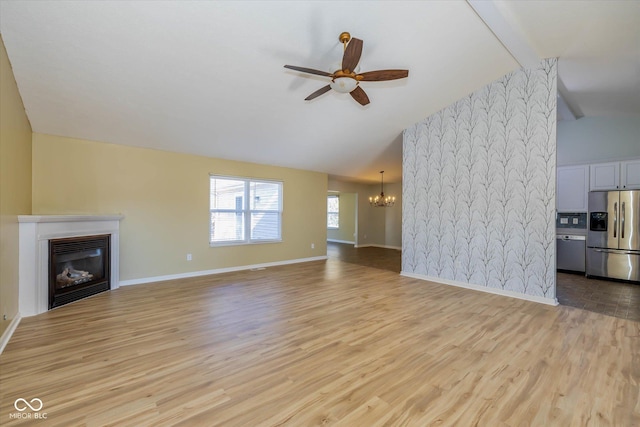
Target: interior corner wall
479, 189
15, 185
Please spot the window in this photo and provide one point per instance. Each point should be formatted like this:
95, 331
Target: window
244, 211
333, 211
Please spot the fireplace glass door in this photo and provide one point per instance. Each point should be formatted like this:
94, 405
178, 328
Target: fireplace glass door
79, 267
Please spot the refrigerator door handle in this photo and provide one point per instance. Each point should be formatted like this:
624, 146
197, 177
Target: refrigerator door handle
615, 219
622, 222
616, 251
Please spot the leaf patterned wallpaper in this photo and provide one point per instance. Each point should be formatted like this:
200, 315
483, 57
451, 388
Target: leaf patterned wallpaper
479, 187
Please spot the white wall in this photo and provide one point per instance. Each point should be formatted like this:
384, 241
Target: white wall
598, 139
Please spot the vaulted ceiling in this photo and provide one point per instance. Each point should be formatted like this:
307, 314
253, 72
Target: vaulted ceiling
207, 77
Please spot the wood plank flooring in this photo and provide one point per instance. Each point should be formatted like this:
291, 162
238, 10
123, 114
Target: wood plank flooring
369, 256
613, 298
320, 343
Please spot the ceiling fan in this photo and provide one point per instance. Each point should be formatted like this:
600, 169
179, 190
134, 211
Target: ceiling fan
346, 80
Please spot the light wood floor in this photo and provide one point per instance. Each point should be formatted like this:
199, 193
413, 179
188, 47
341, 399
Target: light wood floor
613, 298
321, 343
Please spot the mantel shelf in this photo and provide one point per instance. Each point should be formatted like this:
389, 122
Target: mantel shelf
68, 218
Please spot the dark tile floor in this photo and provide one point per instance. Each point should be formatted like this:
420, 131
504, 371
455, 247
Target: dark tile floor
618, 299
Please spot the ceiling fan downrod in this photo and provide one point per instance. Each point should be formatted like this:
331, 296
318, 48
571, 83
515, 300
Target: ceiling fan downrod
344, 38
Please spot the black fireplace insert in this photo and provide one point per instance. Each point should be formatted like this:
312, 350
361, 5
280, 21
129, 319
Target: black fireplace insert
79, 267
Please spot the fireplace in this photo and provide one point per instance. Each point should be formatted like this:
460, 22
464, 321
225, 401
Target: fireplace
85, 245
78, 267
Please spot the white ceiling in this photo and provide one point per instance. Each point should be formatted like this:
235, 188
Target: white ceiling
207, 77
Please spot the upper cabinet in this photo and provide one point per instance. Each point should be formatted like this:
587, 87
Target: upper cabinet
605, 176
630, 175
615, 176
573, 188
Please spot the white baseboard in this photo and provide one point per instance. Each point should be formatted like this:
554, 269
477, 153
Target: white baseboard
216, 271
341, 241
512, 294
397, 248
6, 335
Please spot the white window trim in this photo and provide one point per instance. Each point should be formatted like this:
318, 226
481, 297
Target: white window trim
338, 212
247, 210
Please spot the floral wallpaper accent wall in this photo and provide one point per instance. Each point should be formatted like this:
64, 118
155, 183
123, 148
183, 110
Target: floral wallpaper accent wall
479, 187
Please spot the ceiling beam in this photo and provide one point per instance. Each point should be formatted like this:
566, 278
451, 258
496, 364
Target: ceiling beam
513, 38
564, 112
572, 111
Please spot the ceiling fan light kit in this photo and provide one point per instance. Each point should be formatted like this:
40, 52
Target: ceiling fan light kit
346, 80
343, 84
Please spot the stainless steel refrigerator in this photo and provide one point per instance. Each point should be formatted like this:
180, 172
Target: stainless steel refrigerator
613, 239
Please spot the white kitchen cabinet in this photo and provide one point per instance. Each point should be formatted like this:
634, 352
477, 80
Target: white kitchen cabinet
573, 188
615, 175
605, 176
630, 175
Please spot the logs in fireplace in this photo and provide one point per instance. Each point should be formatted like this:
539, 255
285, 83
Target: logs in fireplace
78, 267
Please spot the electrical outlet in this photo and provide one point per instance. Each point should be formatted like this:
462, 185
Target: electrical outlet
189, 257
313, 246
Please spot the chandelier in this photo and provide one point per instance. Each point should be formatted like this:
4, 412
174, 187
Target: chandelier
382, 201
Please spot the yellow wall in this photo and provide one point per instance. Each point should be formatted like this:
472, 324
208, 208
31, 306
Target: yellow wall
164, 197
347, 219
15, 184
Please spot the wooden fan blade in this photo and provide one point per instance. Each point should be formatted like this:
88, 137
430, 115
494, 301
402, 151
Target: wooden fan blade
352, 54
309, 70
359, 95
319, 92
382, 75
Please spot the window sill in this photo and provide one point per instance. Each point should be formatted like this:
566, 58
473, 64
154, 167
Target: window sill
242, 243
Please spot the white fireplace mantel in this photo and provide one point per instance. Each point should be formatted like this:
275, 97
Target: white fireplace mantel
35, 231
